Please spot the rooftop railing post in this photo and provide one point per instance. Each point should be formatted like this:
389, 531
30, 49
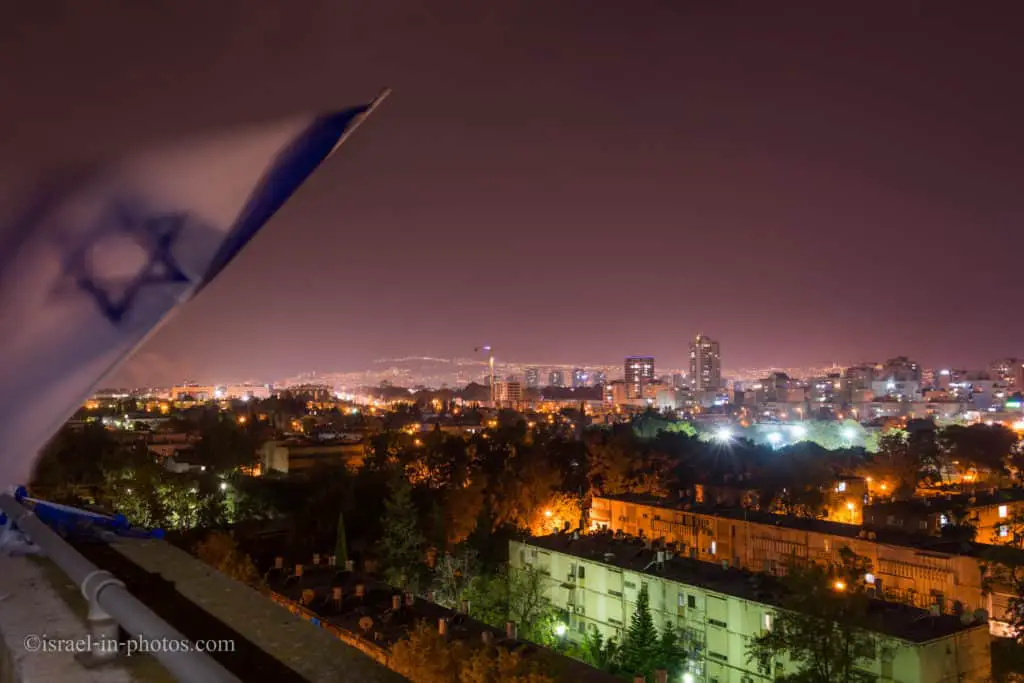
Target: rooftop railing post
103, 628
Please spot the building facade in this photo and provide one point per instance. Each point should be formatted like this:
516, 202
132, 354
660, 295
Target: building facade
639, 371
595, 581
705, 364
929, 575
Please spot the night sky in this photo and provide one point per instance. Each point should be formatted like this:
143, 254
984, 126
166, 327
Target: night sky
572, 181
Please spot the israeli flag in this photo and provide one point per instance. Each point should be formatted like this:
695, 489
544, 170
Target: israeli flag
91, 262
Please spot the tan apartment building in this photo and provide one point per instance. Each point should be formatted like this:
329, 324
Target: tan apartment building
916, 570
989, 511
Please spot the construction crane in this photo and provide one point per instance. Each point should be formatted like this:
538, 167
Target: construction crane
490, 365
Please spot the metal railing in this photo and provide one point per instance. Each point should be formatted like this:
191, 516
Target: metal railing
111, 604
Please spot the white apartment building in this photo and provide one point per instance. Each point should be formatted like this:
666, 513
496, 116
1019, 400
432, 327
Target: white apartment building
596, 579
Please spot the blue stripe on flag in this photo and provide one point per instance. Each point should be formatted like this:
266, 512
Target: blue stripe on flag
293, 165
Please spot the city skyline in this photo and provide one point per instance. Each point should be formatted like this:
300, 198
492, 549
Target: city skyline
801, 184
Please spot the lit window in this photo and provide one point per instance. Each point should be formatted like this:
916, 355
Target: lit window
943, 520
714, 547
1003, 512
842, 486
1004, 530
767, 621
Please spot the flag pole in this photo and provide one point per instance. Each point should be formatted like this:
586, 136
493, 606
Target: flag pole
358, 121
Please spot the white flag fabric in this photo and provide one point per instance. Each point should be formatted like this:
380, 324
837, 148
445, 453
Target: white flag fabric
92, 261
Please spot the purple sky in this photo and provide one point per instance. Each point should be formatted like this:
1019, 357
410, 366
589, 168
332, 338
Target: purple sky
574, 181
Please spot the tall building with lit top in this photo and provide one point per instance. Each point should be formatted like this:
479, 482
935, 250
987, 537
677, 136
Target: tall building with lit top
639, 373
579, 378
532, 378
705, 364
556, 379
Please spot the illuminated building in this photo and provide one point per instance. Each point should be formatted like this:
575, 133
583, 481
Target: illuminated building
705, 364
639, 373
579, 378
901, 369
1007, 370
508, 393
923, 571
532, 376
594, 581
556, 379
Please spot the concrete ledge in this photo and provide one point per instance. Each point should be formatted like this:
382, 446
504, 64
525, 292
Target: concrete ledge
31, 606
272, 644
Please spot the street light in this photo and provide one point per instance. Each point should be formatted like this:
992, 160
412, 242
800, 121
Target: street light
722, 434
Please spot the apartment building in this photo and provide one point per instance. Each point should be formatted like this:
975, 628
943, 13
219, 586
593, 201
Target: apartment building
989, 511
595, 580
921, 571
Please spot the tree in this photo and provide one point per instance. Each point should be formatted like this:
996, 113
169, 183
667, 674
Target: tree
984, 446
341, 544
401, 542
896, 463
220, 551
821, 628
426, 657
453, 575
640, 653
598, 652
512, 594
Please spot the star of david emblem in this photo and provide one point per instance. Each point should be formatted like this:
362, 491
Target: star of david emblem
134, 242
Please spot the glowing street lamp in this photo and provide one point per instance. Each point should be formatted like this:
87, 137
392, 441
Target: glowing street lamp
839, 586
722, 434
775, 438
848, 433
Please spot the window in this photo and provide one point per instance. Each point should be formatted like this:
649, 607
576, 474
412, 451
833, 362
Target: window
767, 621
691, 601
1003, 512
629, 584
842, 486
716, 622
1004, 530
714, 547
582, 574
943, 520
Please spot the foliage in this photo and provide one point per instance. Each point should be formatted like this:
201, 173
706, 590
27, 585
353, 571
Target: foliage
453, 575
820, 629
561, 509
424, 656
982, 446
896, 463
512, 594
220, 551
641, 646
598, 652
401, 543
